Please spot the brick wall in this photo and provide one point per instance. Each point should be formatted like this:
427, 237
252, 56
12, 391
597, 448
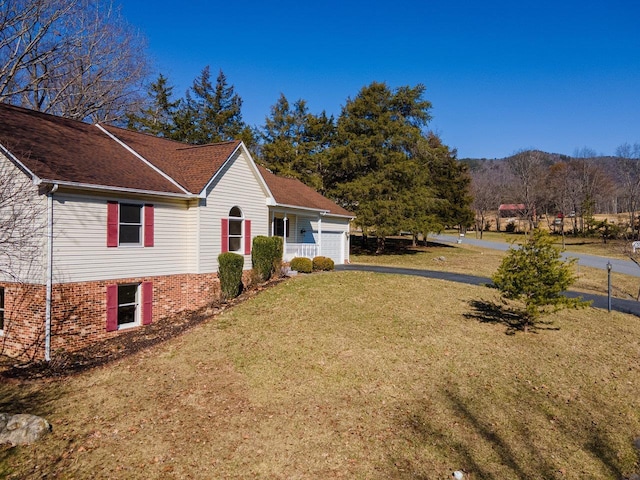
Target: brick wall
79, 311
24, 317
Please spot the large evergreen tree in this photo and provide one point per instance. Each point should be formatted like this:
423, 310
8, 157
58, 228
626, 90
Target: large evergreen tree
295, 142
211, 113
451, 182
392, 175
158, 115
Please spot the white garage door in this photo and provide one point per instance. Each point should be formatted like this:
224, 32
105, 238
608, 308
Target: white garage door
333, 245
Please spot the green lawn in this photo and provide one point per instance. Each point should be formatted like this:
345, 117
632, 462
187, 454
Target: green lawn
350, 375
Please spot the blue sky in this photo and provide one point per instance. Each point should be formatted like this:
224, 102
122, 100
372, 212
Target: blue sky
501, 75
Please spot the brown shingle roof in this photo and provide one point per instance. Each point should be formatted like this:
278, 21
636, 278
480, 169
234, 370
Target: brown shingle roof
64, 150
192, 166
289, 191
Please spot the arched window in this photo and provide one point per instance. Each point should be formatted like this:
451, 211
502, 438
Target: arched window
235, 229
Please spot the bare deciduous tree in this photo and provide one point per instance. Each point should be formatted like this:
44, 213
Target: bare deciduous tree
74, 58
629, 170
486, 187
528, 168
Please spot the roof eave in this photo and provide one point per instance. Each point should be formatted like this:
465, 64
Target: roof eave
114, 189
12, 158
320, 211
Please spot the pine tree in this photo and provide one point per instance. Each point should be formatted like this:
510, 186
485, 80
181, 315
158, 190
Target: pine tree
535, 275
373, 169
211, 113
451, 181
294, 142
157, 117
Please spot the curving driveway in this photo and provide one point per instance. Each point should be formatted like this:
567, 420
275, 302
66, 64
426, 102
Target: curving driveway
598, 301
626, 267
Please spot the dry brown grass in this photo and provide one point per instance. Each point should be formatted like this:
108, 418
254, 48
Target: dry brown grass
350, 375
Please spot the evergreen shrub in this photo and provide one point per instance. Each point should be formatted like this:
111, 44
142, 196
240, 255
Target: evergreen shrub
266, 255
302, 265
230, 274
323, 264
278, 252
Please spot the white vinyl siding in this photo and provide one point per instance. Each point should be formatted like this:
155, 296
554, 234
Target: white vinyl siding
237, 185
23, 253
80, 241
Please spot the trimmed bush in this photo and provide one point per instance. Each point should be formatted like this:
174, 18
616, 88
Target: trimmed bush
230, 274
323, 264
278, 252
262, 256
302, 265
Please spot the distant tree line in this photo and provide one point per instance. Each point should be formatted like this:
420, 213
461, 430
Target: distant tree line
572, 189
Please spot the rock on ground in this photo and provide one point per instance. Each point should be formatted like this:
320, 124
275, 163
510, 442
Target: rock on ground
22, 428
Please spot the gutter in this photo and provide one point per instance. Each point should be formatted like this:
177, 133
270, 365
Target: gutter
320, 211
47, 315
119, 190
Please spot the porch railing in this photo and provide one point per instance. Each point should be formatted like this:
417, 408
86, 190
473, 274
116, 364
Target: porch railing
308, 250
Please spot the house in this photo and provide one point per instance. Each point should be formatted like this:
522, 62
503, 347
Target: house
124, 228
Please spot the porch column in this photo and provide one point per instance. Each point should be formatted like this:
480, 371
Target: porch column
319, 236
284, 234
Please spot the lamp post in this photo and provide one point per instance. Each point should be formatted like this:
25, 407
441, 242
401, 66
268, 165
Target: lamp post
609, 286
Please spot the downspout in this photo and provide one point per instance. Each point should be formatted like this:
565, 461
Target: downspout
47, 315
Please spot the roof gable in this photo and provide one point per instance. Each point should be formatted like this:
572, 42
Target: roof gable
192, 166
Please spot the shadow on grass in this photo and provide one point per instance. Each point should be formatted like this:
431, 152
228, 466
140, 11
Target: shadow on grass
514, 319
393, 246
472, 441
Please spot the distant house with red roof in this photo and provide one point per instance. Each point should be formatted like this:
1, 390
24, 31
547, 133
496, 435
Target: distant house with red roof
512, 210
133, 226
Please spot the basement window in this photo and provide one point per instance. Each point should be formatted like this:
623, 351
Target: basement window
128, 305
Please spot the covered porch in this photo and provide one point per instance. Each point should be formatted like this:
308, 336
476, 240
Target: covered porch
301, 233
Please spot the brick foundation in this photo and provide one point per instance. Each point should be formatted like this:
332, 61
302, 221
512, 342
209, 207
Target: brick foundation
78, 312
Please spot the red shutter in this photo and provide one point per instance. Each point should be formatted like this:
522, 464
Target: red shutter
112, 224
112, 308
247, 237
225, 235
148, 225
147, 302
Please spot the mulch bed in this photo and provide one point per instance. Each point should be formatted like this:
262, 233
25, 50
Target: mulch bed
124, 345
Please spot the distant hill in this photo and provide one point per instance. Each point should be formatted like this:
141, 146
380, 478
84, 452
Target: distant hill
476, 163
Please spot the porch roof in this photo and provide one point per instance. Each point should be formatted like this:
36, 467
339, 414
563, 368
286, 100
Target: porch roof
292, 192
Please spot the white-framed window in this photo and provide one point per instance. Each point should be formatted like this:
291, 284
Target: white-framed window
130, 228
128, 305
1, 310
236, 219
